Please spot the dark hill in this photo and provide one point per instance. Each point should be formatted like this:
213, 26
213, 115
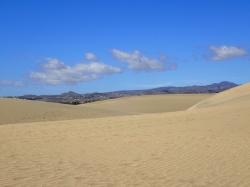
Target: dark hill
75, 98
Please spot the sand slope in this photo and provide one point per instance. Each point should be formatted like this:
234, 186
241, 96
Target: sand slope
200, 147
21, 111
234, 95
150, 103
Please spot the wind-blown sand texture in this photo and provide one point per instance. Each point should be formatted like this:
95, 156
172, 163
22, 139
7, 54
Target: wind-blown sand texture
207, 145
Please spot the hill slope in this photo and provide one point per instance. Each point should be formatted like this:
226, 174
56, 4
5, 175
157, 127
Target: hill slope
234, 95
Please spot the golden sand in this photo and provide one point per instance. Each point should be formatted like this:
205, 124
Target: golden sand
22, 111
207, 145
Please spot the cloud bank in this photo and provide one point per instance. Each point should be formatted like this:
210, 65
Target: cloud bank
90, 56
55, 72
224, 53
10, 83
137, 62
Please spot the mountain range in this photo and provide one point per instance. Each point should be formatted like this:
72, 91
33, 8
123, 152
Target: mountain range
75, 98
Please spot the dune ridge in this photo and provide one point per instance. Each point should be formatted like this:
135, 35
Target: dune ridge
233, 95
203, 146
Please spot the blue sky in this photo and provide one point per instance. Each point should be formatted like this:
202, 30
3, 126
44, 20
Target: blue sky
52, 46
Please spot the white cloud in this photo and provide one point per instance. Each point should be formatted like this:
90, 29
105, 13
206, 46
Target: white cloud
56, 72
90, 56
163, 56
5, 82
174, 58
138, 62
225, 53
10, 83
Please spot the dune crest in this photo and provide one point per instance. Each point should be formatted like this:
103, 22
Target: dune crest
234, 95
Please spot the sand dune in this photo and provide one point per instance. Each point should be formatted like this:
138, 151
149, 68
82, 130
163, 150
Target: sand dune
234, 95
21, 111
150, 103
205, 146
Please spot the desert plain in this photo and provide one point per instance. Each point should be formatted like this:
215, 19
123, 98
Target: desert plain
163, 140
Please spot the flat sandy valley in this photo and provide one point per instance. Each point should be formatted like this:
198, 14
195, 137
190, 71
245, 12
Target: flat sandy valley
161, 140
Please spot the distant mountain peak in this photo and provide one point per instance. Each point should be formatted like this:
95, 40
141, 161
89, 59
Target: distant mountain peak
224, 83
70, 93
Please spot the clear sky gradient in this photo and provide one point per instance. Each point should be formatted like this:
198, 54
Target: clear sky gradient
54, 46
